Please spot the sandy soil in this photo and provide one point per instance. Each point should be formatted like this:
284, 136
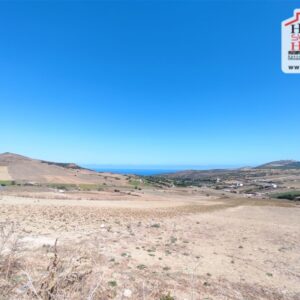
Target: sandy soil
4, 175
131, 204
195, 246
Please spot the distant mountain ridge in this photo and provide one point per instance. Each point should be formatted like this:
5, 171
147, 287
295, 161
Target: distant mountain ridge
280, 164
195, 175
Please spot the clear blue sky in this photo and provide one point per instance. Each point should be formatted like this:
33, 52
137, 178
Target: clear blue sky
147, 82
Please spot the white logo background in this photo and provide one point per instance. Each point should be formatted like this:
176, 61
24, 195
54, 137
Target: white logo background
290, 63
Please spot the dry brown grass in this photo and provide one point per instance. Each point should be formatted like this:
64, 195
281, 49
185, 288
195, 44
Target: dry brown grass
73, 252
67, 273
10, 262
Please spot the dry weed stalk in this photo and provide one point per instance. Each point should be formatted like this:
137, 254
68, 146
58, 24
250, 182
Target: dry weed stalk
30, 285
49, 285
9, 262
7, 231
193, 280
93, 291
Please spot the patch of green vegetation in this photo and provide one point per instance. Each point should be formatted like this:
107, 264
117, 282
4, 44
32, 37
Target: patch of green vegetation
291, 195
62, 186
173, 239
167, 297
151, 250
134, 182
7, 182
141, 267
90, 187
112, 283
156, 225
78, 187
157, 181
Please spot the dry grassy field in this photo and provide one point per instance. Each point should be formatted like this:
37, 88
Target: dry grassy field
150, 244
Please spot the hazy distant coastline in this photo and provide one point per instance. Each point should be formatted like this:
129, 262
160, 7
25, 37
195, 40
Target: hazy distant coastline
141, 172
144, 170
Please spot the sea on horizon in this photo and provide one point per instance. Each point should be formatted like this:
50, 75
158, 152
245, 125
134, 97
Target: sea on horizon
140, 172
144, 171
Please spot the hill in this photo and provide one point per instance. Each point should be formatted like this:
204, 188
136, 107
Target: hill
272, 175
196, 174
20, 168
280, 164
214, 173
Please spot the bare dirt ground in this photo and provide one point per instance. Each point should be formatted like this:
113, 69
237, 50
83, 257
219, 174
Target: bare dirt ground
4, 175
150, 244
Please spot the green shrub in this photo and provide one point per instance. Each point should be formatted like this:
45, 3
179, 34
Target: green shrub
293, 195
112, 283
167, 297
7, 182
